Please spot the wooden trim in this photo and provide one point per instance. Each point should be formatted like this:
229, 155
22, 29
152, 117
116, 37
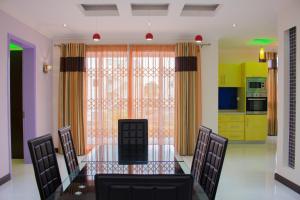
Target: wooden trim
287, 183
5, 179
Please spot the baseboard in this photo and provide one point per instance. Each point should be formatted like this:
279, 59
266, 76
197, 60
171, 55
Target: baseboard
287, 183
4, 179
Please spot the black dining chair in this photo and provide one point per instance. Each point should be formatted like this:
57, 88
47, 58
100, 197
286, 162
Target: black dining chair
132, 140
200, 152
45, 165
66, 141
143, 187
213, 165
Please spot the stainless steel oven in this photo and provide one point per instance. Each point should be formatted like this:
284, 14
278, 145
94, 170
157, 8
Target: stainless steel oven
256, 95
257, 105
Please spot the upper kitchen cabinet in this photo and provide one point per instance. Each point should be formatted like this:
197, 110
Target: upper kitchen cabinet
230, 75
254, 69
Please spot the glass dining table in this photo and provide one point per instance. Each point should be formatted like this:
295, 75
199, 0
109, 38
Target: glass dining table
106, 159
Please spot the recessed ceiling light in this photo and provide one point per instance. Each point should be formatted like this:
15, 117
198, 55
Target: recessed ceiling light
234, 25
65, 25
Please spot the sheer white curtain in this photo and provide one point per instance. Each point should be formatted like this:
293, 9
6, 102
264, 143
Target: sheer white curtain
134, 82
107, 92
152, 95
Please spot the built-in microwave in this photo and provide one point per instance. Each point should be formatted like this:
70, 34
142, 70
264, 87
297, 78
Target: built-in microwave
256, 105
256, 87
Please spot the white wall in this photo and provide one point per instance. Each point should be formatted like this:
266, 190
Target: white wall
209, 77
55, 92
43, 81
288, 16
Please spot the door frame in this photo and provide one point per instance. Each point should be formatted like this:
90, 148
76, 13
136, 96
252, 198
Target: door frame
29, 94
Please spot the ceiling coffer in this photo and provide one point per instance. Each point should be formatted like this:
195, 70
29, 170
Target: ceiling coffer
200, 9
99, 9
149, 9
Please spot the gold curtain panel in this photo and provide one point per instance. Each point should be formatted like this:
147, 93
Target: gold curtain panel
72, 93
187, 97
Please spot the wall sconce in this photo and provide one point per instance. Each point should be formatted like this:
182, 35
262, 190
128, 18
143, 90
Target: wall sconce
46, 68
262, 55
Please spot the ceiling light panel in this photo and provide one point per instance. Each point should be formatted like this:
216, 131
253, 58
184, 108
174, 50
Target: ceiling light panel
99, 9
149, 9
199, 10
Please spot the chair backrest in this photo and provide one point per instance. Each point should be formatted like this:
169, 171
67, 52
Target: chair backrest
200, 152
213, 165
45, 165
66, 141
133, 140
145, 187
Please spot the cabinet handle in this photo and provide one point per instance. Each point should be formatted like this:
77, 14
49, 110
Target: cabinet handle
224, 79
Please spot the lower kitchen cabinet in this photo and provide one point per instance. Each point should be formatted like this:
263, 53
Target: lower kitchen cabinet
231, 126
256, 127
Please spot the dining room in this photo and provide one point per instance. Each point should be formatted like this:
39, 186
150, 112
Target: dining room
110, 100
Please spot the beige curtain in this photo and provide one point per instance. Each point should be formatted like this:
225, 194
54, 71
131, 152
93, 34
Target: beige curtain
272, 93
187, 93
72, 92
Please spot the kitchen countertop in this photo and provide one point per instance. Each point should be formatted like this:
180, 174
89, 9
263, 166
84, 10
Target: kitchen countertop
231, 112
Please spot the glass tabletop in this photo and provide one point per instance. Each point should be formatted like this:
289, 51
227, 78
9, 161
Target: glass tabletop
80, 184
124, 155
108, 159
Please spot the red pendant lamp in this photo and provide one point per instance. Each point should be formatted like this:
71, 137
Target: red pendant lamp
149, 36
96, 37
198, 38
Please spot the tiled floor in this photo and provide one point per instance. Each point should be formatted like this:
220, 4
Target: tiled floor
248, 173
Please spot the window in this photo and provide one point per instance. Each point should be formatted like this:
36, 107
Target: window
135, 84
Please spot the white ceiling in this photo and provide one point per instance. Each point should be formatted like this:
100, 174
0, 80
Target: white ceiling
254, 19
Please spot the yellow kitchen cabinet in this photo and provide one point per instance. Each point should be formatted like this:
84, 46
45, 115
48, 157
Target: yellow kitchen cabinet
254, 69
256, 127
231, 125
230, 75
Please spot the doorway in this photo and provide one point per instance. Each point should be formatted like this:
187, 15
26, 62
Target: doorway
16, 104
21, 96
